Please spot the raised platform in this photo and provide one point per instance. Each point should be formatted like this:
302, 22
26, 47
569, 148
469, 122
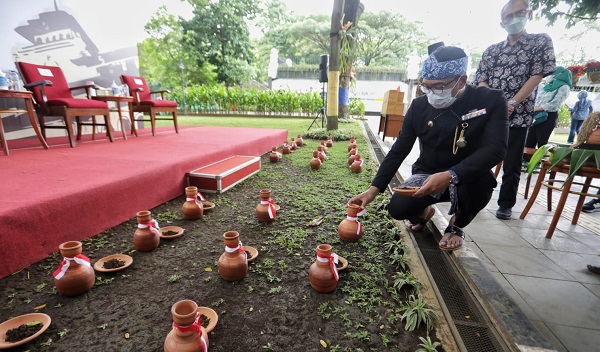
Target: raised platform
51, 196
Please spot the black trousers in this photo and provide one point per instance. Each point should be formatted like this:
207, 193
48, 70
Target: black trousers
539, 134
511, 167
472, 197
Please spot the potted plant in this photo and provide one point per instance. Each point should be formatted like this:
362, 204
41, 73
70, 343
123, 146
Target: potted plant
576, 72
592, 69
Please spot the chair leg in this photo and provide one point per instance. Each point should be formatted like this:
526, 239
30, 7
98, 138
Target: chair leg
79, 127
69, 123
527, 186
108, 127
549, 194
586, 187
3, 138
559, 208
175, 121
153, 121
94, 127
534, 194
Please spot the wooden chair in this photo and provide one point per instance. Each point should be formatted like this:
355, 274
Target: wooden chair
589, 173
52, 97
143, 102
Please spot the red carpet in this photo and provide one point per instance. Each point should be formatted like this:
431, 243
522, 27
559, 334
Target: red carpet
51, 196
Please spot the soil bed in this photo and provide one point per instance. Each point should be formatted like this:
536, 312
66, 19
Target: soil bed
273, 309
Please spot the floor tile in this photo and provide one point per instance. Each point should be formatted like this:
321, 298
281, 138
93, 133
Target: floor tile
558, 302
576, 339
514, 295
496, 234
590, 239
486, 261
524, 262
558, 242
595, 289
575, 264
543, 328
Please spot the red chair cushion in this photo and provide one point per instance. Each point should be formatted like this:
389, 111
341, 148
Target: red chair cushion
160, 103
74, 103
33, 73
133, 83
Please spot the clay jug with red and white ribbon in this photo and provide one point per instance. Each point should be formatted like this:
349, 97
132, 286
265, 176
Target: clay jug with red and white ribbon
350, 229
275, 155
286, 148
323, 275
266, 210
293, 145
147, 236
192, 209
299, 141
329, 143
315, 163
356, 166
352, 143
322, 154
187, 334
75, 275
233, 263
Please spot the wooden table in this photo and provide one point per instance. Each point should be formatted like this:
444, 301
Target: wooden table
13, 94
390, 125
118, 100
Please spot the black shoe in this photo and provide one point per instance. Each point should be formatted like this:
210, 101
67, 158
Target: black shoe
504, 213
591, 206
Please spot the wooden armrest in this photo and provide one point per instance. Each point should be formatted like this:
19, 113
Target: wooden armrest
38, 83
161, 91
137, 90
87, 86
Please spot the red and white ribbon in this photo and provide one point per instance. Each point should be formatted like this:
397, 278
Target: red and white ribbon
152, 224
196, 326
239, 248
333, 260
271, 203
66, 262
359, 229
294, 145
201, 197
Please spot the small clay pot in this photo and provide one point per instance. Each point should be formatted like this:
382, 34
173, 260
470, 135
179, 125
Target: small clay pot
299, 141
322, 154
293, 145
320, 274
187, 335
329, 142
144, 238
324, 146
356, 166
233, 263
275, 156
286, 149
192, 209
351, 159
350, 230
353, 151
78, 278
265, 211
315, 163
352, 143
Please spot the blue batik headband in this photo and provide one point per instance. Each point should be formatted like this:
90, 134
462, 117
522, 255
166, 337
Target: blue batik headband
433, 69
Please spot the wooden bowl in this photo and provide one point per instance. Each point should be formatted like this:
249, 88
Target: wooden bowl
344, 262
99, 265
18, 321
253, 252
210, 314
207, 206
177, 229
406, 190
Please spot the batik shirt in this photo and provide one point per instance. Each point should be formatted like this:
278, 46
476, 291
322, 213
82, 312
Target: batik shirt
507, 67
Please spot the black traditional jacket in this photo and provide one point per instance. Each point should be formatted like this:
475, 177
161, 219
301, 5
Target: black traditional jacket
437, 130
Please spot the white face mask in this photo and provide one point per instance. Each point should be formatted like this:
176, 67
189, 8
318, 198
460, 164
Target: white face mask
517, 25
443, 100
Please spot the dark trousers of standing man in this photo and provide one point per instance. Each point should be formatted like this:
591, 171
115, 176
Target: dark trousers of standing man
511, 167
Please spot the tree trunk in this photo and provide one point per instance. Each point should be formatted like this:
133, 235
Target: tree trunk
353, 8
334, 64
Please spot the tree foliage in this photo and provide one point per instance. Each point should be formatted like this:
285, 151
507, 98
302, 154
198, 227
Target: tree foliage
572, 10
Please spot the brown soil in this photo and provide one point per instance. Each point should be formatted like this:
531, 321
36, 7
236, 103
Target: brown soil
273, 309
22, 332
113, 264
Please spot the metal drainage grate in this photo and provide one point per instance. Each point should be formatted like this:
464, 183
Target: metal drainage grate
474, 327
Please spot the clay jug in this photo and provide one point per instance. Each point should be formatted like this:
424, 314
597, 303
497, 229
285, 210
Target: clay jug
294, 146
323, 275
324, 147
147, 236
75, 275
353, 151
187, 334
350, 230
329, 143
233, 263
275, 155
300, 141
266, 209
315, 163
352, 143
351, 159
322, 154
356, 166
286, 148
192, 209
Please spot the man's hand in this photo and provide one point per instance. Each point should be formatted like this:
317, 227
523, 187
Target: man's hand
365, 197
435, 183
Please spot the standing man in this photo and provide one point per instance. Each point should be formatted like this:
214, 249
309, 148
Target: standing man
516, 66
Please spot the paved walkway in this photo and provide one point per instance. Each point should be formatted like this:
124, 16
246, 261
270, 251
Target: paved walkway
546, 278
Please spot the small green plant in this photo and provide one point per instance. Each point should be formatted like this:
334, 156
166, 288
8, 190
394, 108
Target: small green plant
417, 311
63, 333
47, 343
267, 347
427, 345
167, 217
406, 278
400, 260
58, 305
250, 289
28, 300
103, 326
102, 281
174, 277
39, 288
218, 302
275, 290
